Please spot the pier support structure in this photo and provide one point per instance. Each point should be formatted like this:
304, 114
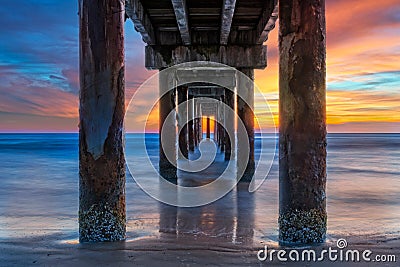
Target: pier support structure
245, 107
302, 133
102, 214
191, 124
167, 103
208, 128
302, 127
229, 124
196, 126
199, 123
182, 121
221, 115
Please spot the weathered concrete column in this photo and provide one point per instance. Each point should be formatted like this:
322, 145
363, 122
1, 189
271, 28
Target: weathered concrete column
102, 214
302, 133
246, 116
200, 129
195, 132
208, 128
221, 138
215, 129
222, 129
218, 133
190, 124
229, 124
167, 104
182, 122
201, 123
198, 123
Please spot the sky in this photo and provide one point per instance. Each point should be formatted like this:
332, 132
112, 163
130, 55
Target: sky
39, 76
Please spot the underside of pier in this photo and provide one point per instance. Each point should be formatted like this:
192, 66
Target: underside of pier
229, 32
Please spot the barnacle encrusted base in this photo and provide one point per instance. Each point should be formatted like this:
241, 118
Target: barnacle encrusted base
100, 224
302, 227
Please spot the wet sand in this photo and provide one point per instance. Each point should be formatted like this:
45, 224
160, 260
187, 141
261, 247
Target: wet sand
167, 250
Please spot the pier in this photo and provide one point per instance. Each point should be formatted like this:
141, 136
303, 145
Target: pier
230, 32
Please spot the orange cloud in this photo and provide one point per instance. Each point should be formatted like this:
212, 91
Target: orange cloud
40, 101
362, 37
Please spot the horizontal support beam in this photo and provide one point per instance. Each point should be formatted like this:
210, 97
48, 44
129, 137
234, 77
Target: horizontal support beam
228, 8
136, 12
210, 91
267, 22
236, 37
182, 19
250, 56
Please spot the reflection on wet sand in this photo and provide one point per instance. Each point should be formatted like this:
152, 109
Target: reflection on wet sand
227, 220
230, 219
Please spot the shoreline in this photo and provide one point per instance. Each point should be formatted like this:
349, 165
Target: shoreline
39, 203
168, 250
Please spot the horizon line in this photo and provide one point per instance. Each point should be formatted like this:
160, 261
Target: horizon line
133, 132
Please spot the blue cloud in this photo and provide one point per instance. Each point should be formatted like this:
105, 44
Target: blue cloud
38, 42
39, 46
381, 81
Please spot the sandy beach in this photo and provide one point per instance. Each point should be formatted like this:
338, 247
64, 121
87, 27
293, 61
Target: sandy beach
52, 250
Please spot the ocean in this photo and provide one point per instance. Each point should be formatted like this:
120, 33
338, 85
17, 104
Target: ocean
39, 194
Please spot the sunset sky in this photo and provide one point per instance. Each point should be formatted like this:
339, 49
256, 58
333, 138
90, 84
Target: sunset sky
39, 66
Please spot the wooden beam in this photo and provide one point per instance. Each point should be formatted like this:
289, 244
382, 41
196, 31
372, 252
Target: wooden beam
249, 56
182, 19
228, 9
267, 22
136, 12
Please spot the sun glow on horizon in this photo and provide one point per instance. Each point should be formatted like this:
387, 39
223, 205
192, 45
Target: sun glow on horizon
40, 84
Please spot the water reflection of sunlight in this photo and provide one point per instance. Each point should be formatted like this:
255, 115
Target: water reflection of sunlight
229, 219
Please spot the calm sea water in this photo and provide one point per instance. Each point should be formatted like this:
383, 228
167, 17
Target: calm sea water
39, 193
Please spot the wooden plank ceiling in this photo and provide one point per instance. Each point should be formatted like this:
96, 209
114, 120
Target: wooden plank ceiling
202, 22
